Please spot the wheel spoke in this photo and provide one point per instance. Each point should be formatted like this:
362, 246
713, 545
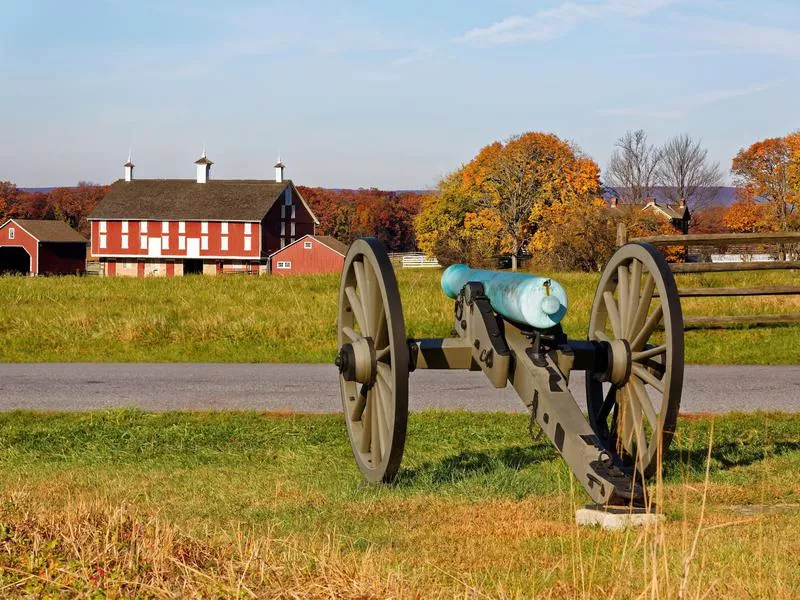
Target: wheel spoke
633, 296
350, 334
644, 305
375, 443
359, 404
640, 394
378, 317
608, 404
627, 422
379, 442
623, 288
649, 353
647, 330
383, 399
601, 335
366, 429
382, 353
366, 297
358, 308
648, 377
638, 428
613, 314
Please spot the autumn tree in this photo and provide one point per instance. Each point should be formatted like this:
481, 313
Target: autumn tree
494, 203
9, 198
764, 172
633, 166
685, 173
574, 236
350, 214
748, 216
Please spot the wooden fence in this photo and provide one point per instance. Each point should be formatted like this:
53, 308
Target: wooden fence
725, 240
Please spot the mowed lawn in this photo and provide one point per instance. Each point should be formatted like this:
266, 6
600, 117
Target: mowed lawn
293, 319
257, 505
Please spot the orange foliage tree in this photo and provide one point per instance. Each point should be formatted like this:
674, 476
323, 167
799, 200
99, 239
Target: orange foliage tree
498, 199
69, 204
349, 214
748, 216
765, 171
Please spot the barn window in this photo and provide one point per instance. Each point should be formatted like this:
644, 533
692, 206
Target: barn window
283, 228
124, 227
181, 226
307, 245
248, 244
143, 228
143, 242
292, 228
181, 242
204, 242
11, 233
165, 227
102, 240
124, 241
204, 227
224, 243
224, 228
287, 199
103, 226
248, 228
165, 242
293, 211
284, 264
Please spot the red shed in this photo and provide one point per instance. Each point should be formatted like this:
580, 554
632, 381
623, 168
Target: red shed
37, 247
309, 254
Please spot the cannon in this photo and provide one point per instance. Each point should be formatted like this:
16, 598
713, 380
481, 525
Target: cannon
508, 325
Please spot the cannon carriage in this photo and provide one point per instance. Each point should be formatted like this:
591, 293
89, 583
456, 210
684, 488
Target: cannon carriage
508, 325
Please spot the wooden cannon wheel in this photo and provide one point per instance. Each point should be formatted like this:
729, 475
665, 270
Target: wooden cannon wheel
637, 311
373, 360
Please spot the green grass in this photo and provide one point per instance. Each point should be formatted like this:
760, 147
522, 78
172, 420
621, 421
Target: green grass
215, 504
293, 319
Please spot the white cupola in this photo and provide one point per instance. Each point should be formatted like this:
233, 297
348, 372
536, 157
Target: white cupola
129, 168
279, 167
203, 168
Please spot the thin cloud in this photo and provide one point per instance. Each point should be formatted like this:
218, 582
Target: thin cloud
680, 108
555, 22
748, 39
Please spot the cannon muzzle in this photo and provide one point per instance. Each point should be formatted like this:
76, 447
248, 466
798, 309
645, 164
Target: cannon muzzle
520, 297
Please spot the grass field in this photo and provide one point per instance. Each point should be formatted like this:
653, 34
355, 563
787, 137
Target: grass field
250, 505
293, 319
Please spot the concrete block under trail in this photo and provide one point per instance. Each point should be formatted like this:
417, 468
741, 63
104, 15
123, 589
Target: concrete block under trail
616, 518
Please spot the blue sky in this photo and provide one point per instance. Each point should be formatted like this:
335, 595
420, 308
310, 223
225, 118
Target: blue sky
385, 94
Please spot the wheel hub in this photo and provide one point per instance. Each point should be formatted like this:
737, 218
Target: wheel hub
357, 361
621, 361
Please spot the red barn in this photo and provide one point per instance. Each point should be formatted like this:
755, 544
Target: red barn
35, 247
309, 254
169, 227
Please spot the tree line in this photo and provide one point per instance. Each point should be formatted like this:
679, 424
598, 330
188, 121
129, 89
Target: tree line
536, 195
533, 194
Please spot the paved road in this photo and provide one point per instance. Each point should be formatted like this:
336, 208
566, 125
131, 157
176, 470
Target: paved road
313, 388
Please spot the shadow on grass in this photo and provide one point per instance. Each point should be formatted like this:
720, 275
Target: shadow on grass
468, 463
728, 455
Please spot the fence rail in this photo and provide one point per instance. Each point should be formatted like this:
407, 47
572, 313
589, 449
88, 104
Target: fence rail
720, 240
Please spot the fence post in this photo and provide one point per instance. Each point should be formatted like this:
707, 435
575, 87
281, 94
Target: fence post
622, 234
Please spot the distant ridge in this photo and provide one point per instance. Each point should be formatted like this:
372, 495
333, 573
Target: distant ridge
724, 197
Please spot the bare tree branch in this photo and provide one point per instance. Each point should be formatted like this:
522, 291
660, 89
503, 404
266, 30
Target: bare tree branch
686, 173
632, 168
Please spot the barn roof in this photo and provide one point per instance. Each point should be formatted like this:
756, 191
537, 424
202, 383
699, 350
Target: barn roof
332, 243
49, 231
185, 199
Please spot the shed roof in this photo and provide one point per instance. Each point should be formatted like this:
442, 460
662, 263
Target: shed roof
49, 231
332, 243
185, 199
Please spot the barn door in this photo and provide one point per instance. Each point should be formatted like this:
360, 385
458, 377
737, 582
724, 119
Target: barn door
193, 247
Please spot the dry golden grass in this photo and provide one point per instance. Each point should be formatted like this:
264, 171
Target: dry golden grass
176, 506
